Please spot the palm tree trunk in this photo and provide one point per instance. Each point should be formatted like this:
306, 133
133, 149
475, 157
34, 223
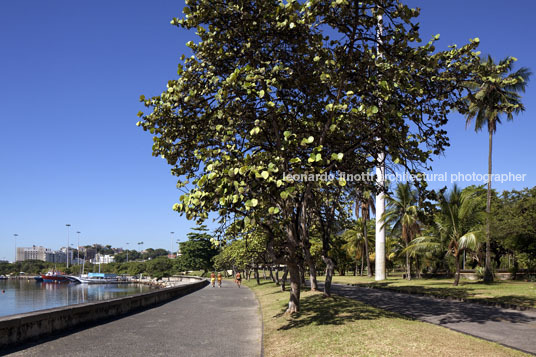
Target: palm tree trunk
408, 265
488, 276
369, 270
362, 264
457, 275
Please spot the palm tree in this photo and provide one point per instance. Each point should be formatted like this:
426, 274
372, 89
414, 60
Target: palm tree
401, 215
356, 243
458, 227
495, 94
365, 202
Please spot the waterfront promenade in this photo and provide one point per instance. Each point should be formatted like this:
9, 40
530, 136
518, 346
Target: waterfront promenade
209, 322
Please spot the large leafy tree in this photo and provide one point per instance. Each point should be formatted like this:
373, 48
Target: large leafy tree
514, 223
197, 252
275, 89
495, 95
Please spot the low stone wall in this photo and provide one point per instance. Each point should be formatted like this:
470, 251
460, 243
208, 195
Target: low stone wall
15, 329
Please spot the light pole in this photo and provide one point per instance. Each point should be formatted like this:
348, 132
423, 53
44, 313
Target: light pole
67, 225
78, 248
127, 251
141, 244
15, 235
171, 251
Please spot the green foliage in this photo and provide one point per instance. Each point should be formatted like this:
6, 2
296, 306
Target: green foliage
274, 88
496, 93
136, 268
256, 101
402, 213
159, 268
197, 252
514, 223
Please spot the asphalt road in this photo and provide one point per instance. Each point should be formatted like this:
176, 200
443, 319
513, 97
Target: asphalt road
209, 322
511, 328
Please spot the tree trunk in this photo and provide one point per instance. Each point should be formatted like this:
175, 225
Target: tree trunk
302, 273
284, 279
408, 265
312, 269
330, 267
271, 273
369, 270
295, 284
257, 275
488, 275
457, 276
362, 264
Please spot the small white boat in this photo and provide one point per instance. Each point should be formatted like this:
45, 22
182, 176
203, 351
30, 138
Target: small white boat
99, 278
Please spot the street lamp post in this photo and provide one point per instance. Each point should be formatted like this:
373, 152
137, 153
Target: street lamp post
141, 249
78, 248
15, 235
67, 225
171, 251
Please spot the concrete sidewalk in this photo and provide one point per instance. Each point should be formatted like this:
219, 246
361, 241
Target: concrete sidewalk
511, 328
209, 322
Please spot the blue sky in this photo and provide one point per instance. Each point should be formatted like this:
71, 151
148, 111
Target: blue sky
71, 73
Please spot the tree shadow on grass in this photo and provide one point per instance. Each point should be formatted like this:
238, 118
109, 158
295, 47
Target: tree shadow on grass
442, 292
436, 310
524, 301
319, 310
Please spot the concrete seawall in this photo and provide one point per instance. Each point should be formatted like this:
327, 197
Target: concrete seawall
16, 329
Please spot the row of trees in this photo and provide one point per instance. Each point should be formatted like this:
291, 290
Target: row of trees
279, 96
445, 239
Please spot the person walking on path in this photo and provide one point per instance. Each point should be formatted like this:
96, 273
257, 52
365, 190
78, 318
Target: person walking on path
219, 280
238, 279
213, 280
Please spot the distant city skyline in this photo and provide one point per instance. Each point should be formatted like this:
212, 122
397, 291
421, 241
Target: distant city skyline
71, 75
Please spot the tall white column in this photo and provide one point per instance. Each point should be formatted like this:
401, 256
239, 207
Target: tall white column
379, 261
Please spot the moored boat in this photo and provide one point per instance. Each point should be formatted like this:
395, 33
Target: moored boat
99, 278
55, 277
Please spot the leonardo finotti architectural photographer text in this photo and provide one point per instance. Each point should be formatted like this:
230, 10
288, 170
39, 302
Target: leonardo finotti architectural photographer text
404, 177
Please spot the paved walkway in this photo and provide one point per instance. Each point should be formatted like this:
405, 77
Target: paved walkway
511, 328
209, 322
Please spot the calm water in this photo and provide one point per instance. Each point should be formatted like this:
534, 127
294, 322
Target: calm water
27, 295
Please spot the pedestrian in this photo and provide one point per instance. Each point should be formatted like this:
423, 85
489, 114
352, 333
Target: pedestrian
219, 280
238, 279
213, 279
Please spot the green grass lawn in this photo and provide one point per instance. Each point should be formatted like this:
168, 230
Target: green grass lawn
512, 292
343, 327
